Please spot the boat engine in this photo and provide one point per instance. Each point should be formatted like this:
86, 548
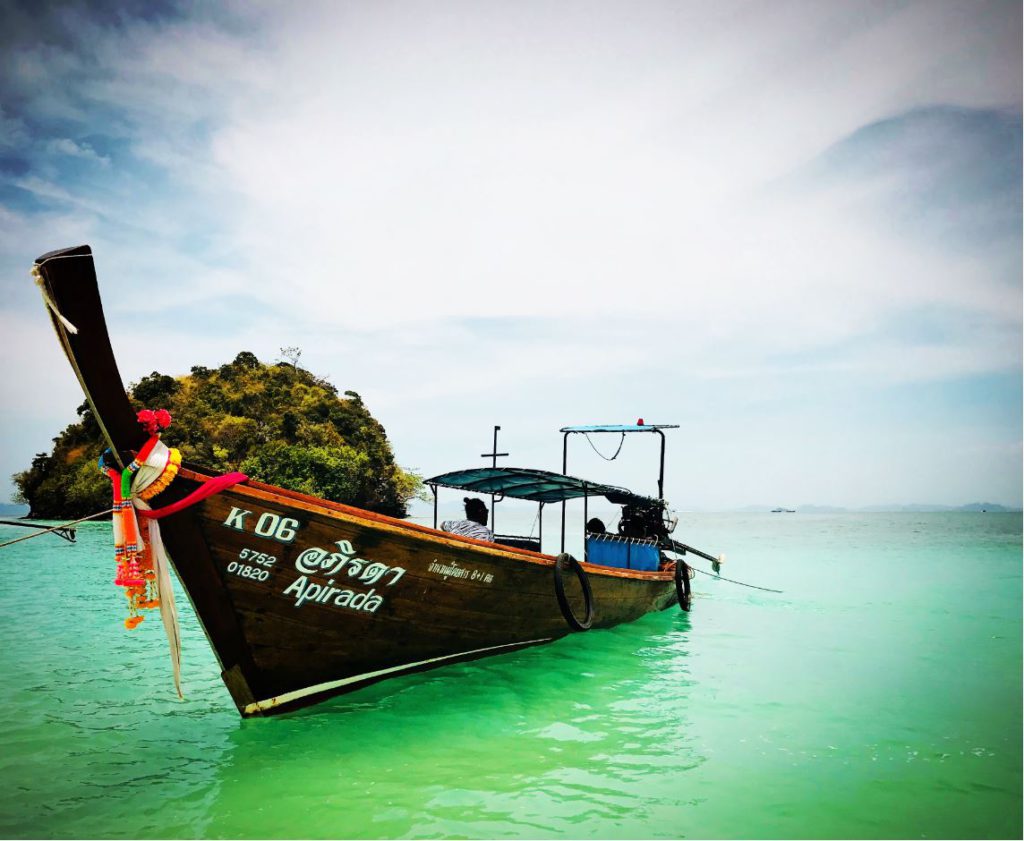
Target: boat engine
650, 520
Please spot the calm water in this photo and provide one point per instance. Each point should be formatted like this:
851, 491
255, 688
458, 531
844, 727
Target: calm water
879, 696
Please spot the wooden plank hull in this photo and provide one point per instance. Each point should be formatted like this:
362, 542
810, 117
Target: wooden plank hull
303, 599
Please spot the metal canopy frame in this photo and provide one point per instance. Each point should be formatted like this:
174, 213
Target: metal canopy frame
544, 487
622, 429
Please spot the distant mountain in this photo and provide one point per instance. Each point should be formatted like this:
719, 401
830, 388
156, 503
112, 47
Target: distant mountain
926, 508
909, 509
10, 511
805, 509
891, 508
985, 506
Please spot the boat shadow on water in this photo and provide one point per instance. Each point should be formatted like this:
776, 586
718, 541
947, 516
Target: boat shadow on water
584, 669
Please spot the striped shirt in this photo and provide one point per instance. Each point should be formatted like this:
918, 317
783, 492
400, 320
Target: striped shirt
468, 528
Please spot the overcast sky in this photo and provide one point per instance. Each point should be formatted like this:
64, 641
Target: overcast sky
793, 228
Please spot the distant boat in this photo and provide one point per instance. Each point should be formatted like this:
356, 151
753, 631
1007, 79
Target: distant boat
783, 510
303, 598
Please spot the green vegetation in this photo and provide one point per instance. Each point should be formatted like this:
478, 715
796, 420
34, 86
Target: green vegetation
277, 423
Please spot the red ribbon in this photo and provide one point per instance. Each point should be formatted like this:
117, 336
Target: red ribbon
208, 488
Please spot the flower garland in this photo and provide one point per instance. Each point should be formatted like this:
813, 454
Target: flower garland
143, 566
170, 471
133, 557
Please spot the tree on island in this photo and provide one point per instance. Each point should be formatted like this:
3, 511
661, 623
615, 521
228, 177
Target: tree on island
278, 423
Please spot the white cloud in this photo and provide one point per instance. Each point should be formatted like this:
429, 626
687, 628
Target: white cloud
67, 146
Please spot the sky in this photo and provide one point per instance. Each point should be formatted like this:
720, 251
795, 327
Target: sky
791, 228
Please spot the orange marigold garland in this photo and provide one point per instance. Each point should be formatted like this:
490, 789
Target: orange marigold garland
133, 558
170, 471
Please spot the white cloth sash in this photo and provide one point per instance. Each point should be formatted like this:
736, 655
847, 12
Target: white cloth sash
148, 473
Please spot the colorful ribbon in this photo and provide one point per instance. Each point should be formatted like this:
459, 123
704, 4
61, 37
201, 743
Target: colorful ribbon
207, 489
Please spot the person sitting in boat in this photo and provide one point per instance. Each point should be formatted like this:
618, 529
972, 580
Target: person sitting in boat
596, 526
475, 524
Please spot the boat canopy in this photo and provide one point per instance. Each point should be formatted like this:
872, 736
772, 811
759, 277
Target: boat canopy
533, 485
615, 427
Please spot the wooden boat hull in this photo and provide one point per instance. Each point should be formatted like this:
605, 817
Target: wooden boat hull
303, 599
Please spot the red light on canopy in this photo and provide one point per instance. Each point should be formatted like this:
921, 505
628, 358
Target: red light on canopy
639, 421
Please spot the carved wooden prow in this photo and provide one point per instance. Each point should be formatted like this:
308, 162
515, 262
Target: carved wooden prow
68, 278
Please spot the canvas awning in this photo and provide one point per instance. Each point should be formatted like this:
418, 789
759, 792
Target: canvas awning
619, 427
533, 485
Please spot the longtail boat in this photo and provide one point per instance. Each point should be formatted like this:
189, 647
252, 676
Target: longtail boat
304, 598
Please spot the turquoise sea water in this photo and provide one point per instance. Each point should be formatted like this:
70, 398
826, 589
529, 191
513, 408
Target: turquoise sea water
878, 697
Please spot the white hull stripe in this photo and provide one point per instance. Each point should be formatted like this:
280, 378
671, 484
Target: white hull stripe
259, 706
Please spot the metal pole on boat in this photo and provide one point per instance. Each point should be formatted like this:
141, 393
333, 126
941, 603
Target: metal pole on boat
565, 472
661, 469
585, 500
493, 455
540, 526
434, 489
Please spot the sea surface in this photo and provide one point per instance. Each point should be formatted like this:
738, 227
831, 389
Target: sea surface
878, 696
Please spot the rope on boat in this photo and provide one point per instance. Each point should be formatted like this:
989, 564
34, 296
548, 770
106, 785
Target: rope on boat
614, 455
56, 528
37, 276
733, 581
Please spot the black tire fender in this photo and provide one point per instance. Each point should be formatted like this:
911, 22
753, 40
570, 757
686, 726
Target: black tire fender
576, 624
683, 585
